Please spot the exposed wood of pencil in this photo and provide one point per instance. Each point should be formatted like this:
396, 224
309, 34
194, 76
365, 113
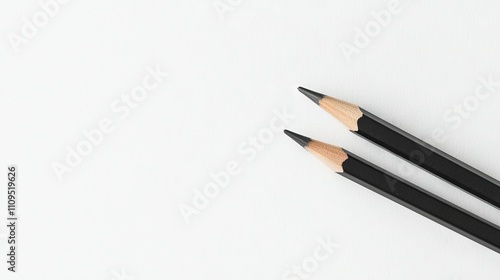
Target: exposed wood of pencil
410, 148
404, 193
347, 113
331, 155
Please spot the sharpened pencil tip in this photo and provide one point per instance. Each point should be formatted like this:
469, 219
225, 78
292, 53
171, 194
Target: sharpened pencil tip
301, 140
314, 96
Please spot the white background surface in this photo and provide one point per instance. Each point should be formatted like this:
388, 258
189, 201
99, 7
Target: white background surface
117, 214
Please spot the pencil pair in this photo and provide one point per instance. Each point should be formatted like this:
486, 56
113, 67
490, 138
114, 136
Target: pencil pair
416, 151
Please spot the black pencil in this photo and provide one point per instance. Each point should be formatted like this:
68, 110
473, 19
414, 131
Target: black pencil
410, 148
403, 192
